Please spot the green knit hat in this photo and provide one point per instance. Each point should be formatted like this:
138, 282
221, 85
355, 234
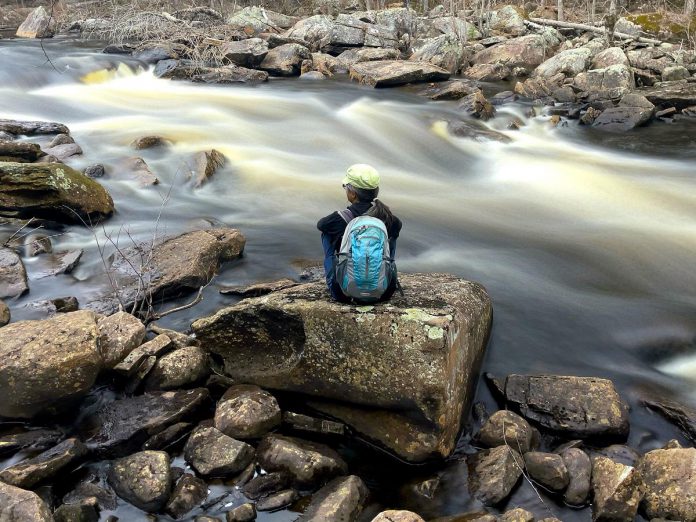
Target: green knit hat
362, 176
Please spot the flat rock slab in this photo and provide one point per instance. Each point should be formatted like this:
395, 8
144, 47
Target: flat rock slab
677, 95
32, 128
390, 73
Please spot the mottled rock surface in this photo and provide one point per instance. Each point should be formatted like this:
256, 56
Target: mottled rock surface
19, 505
119, 335
579, 468
669, 476
390, 73
493, 473
179, 369
341, 499
143, 479
618, 490
13, 275
247, 412
212, 453
548, 469
506, 427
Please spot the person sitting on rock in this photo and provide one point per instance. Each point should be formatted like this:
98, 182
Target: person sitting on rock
360, 242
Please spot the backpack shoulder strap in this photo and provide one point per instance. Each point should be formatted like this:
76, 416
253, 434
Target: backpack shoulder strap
346, 214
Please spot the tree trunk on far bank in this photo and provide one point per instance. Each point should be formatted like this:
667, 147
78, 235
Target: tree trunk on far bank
560, 10
689, 8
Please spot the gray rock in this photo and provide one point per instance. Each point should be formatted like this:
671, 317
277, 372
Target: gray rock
13, 275
308, 463
390, 73
179, 369
119, 335
618, 490
627, 27
285, 60
579, 470
493, 473
548, 469
575, 406
247, 53
507, 428
312, 76
341, 499
64, 151
63, 262
29, 472
276, 501
382, 369
35, 379
609, 57
225, 75
212, 453
366, 54
510, 20
526, 51
32, 128
244, 513
621, 454
451, 90
188, 493
39, 24
570, 63
19, 505
256, 19
149, 142
95, 171
204, 166
125, 424
608, 83
37, 244
5, 315
136, 169
455, 26
247, 412
669, 476
444, 51
675, 73
622, 119
153, 53
678, 95
315, 30
394, 515
488, 72
143, 479
636, 100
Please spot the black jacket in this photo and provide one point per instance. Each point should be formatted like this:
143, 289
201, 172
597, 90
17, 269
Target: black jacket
334, 225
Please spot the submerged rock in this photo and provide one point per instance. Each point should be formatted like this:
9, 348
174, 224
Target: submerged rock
422, 353
493, 473
137, 169
575, 406
205, 164
247, 412
341, 499
144, 479
13, 275
308, 463
391, 73
46, 364
212, 453
19, 505
618, 490
52, 191
669, 476
149, 142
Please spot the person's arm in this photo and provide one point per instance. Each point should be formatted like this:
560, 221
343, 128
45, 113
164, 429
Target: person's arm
333, 224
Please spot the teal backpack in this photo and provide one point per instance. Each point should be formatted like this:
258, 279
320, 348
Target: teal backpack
365, 270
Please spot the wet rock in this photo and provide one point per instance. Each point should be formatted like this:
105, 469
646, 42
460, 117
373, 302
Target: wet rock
677, 95
618, 490
308, 463
570, 63
57, 305
390, 73
52, 191
548, 469
143, 479
278, 500
621, 454
39, 24
590, 116
188, 493
205, 518
136, 169
493, 473
264, 485
118, 49
45, 364
669, 476
19, 505
244, 513
119, 335
36, 439
32, 128
37, 244
608, 83
258, 289
176, 266
247, 53
178, 339
576, 406
155, 347
5, 315
212, 453
29, 472
675, 73
247, 412
488, 72
285, 60
270, 341
179, 369
579, 471
60, 263
526, 51
444, 51
400, 515
300, 422
679, 414
125, 424
168, 436
451, 90
153, 53
228, 75
95, 171
20, 151
13, 275
87, 512
622, 119
64, 151
517, 515
84, 491
204, 166
149, 142
507, 428
341, 499
609, 57
478, 106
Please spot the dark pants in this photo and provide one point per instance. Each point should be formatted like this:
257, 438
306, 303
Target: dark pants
330, 268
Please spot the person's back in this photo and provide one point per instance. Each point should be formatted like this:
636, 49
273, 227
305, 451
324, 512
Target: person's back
362, 187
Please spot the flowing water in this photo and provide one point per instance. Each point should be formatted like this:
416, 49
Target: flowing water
585, 242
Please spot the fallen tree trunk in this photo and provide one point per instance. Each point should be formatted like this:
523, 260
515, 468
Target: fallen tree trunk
584, 27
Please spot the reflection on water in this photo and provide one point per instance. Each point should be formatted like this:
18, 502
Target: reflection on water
586, 249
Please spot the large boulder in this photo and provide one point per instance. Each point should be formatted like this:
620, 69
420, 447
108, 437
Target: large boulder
677, 95
177, 265
19, 505
13, 275
574, 406
509, 19
618, 490
315, 30
340, 500
247, 53
45, 364
608, 83
622, 119
52, 191
144, 479
390, 73
285, 60
415, 358
609, 57
570, 62
445, 51
669, 476
455, 27
526, 51
39, 24
254, 20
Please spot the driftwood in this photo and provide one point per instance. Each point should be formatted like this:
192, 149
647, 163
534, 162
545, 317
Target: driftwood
584, 27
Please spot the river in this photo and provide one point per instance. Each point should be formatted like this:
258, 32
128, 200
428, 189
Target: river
586, 242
